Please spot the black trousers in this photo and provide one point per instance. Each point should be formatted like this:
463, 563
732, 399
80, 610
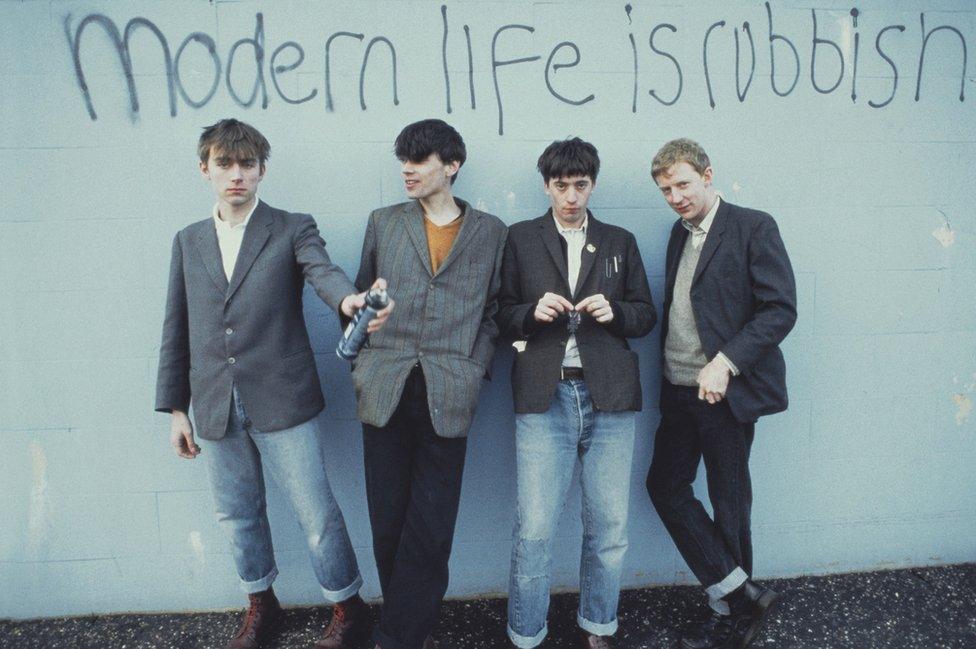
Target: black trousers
413, 486
692, 429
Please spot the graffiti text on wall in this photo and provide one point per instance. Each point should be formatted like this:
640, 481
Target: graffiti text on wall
650, 50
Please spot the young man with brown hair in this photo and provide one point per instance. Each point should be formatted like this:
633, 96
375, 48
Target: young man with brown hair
235, 346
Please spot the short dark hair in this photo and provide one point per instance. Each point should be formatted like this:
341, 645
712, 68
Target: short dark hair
235, 139
573, 157
418, 140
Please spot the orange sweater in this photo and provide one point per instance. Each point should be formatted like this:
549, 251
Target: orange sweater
440, 238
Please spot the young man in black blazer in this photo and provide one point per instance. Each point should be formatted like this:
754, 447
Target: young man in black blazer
573, 290
730, 299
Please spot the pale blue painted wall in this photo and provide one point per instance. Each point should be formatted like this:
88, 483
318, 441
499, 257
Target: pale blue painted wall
870, 467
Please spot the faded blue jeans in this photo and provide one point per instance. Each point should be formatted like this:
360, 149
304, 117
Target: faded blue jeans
294, 459
547, 446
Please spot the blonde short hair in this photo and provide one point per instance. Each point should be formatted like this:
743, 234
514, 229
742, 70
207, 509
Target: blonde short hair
680, 150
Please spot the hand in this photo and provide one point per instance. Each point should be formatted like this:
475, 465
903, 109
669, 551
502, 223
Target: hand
598, 307
713, 381
353, 303
550, 306
181, 436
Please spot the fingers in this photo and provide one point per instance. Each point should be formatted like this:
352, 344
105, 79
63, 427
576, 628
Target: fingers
184, 445
550, 306
597, 306
379, 283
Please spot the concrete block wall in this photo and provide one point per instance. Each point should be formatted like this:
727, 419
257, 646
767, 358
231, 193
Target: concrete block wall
871, 185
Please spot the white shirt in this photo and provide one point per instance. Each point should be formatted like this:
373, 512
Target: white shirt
575, 240
229, 238
698, 235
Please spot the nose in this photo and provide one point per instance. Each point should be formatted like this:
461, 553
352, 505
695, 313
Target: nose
673, 197
236, 173
572, 196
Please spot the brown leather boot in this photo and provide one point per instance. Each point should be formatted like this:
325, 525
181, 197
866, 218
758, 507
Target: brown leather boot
349, 627
591, 641
262, 616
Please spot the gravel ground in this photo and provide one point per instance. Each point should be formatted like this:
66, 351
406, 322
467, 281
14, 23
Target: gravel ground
922, 608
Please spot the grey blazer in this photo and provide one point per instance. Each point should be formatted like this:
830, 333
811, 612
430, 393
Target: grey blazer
442, 321
250, 331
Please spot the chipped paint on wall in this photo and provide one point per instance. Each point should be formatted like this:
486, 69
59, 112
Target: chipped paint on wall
37, 511
964, 407
944, 235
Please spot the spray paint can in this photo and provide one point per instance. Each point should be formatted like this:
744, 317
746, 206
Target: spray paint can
355, 335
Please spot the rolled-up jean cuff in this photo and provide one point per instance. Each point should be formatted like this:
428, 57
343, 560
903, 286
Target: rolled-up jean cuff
720, 606
526, 642
732, 581
336, 596
262, 584
596, 629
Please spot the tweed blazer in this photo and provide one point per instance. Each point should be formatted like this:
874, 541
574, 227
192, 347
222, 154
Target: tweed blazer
611, 264
743, 296
249, 331
442, 321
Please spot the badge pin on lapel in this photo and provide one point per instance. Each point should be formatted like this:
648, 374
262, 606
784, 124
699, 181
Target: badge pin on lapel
590, 247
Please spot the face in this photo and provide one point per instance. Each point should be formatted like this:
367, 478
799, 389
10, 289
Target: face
569, 196
427, 177
689, 193
234, 181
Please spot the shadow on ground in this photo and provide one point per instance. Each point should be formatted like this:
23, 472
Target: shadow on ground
922, 608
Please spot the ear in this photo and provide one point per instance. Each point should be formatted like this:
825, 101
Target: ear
452, 168
264, 168
545, 187
707, 176
204, 170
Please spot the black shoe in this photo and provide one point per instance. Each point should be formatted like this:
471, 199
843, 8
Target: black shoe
714, 632
751, 607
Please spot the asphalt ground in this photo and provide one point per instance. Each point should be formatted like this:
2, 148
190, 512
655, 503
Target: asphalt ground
917, 608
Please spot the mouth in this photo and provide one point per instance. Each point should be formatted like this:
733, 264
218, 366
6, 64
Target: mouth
236, 190
410, 184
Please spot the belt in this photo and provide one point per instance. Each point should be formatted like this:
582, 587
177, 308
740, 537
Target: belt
566, 373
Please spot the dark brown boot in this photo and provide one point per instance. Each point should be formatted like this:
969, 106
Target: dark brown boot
261, 618
349, 627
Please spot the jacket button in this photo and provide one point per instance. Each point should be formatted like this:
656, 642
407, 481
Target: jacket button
228, 331
231, 360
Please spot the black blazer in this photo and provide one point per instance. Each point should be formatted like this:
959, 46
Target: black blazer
743, 296
534, 263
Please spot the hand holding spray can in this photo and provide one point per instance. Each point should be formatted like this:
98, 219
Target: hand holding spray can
355, 335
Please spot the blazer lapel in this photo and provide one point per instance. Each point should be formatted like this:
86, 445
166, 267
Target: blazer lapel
413, 218
712, 240
594, 239
255, 236
550, 237
209, 251
679, 234
469, 226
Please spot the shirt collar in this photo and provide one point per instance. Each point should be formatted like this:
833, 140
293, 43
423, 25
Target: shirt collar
221, 224
706, 223
561, 229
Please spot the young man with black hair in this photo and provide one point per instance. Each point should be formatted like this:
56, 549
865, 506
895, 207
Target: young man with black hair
573, 290
235, 346
730, 300
418, 380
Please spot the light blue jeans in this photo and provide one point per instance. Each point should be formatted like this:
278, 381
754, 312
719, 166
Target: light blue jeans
547, 447
294, 459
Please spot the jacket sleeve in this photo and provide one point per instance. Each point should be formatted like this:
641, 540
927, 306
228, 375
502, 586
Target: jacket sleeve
634, 315
773, 294
173, 377
327, 280
367, 259
484, 344
513, 314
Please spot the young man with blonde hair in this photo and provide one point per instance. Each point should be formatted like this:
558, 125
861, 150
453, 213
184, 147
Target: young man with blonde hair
730, 299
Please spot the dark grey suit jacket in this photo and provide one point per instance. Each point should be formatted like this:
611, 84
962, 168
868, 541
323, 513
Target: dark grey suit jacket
442, 321
535, 264
743, 295
250, 331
